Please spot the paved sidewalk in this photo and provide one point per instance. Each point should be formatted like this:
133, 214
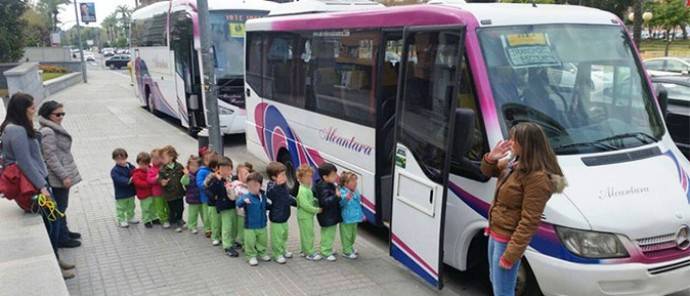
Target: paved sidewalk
103, 115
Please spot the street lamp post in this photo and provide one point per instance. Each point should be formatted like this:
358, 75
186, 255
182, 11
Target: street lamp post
209, 80
81, 49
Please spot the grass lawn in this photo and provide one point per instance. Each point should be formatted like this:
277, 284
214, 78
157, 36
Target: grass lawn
655, 48
49, 76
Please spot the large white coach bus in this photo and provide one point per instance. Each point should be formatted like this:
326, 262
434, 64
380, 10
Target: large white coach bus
410, 98
165, 45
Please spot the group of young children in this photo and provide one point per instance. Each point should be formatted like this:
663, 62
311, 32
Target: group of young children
233, 207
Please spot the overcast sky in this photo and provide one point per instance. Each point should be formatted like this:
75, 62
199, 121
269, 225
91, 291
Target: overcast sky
103, 9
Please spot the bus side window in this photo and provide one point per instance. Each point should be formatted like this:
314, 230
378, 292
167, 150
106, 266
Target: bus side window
468, 165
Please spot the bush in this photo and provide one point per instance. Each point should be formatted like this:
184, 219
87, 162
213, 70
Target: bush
52, 69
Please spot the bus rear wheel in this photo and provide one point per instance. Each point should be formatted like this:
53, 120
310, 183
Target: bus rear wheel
292, 183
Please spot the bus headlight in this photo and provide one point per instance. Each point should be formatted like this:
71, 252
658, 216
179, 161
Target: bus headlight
225, 111
591, 244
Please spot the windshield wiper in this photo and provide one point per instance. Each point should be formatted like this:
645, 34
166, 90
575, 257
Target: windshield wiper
602, 144
595, 144
644, 138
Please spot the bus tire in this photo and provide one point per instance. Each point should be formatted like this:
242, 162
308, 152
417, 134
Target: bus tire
292, 183
526, 282
149, 102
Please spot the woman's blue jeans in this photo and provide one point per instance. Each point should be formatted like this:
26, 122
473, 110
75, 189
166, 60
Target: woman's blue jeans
502, 280
61, 196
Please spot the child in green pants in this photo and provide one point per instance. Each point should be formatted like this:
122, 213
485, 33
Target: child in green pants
224, 199
214, 218
307, 208
281, 201
192, 194
143, 189
351, 213
160, 207
239, 186
329, 200
124, 190
201, 175
255, 234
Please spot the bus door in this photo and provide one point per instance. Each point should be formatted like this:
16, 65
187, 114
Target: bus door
186, 71
389, 69
427, 90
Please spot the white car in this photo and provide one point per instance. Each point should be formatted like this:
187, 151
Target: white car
668, 66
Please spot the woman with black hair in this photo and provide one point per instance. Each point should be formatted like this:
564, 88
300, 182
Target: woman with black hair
20, 146
56, 144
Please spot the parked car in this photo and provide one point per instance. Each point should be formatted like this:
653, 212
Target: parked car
90, 57
668, 66
117, 62
678, 116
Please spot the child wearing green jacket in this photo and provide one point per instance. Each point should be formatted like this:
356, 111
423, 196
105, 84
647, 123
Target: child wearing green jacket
307, 208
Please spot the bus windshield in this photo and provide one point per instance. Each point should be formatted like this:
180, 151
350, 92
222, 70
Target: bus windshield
227, 39
581, 83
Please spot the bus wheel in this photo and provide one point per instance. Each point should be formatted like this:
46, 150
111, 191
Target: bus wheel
292, 184
149, 103
526, 282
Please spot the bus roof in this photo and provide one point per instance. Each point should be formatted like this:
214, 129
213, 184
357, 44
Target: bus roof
163, 6
439, 13
315, 6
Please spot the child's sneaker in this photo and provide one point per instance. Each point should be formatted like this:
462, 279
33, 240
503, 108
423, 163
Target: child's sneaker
178, 229
314, 257
301, 254
331, 258
281, 260
215, 243
166, 225
124, 224
207, 234
253, 261
265, 258
287, 254
355, 251
133, 221
231, 252
351, 256
156, 222
237, 246
148, 225
194, 231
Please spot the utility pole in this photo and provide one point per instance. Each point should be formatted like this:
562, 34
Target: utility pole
81, 49
209, 80
637, 22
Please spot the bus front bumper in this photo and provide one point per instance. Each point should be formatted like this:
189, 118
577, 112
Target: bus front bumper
558, 277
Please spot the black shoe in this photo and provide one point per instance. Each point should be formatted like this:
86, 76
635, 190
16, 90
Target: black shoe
237, 246
157, 222
74, 235
72, 243
148, 225
231, 252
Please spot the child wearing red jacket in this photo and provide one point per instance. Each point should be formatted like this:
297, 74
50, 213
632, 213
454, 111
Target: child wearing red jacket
160, 207
143, 188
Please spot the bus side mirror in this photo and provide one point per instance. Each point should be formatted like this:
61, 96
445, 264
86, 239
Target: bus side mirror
464, 128
662, 96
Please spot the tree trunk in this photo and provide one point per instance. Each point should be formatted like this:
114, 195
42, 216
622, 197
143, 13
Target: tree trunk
637, 22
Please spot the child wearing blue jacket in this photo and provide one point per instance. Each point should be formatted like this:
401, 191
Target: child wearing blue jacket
255, 205
208, 157
124, 188
351, 208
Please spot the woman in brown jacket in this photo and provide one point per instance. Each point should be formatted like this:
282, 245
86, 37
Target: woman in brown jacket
526, 181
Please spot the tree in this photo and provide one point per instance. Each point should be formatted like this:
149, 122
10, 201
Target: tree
11, 43
37, 29
109, 24
49, 9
